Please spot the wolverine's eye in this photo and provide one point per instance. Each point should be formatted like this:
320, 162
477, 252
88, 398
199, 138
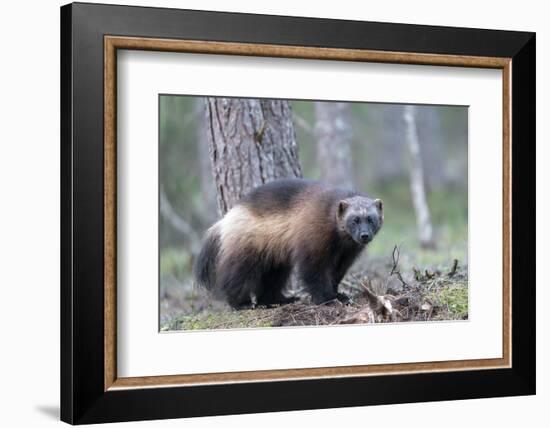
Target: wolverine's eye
369, 219
356, 220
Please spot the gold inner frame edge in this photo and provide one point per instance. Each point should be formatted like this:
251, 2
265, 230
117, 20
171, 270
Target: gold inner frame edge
113, 43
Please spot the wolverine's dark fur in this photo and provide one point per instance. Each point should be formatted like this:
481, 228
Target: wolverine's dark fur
205, 264
248, 255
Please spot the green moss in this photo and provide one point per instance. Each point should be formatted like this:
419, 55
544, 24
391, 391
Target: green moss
451, 300
221, 320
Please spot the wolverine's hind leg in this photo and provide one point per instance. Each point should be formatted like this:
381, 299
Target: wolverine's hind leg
239, 282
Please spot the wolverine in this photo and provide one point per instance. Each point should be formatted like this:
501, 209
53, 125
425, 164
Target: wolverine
285, 225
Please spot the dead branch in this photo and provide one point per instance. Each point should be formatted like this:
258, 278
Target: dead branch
302, 124
453, 269
395, 258
394, 270
178, 223
378, 309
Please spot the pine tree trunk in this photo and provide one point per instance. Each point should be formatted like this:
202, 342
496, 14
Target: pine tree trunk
333, 131
416, 171
252, 142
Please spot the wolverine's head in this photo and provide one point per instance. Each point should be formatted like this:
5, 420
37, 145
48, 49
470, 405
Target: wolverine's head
360, 217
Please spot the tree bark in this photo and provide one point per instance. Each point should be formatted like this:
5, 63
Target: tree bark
251, 142
416, 172
333, 131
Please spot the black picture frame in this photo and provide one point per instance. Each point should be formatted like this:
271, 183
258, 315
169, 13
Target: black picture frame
83, 398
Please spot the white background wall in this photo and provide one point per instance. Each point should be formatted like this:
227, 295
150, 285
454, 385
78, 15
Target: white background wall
29, 213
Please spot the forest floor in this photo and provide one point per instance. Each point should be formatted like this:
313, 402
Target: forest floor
395, 280
380, 292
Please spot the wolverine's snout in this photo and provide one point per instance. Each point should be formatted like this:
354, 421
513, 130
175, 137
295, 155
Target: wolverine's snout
365, 238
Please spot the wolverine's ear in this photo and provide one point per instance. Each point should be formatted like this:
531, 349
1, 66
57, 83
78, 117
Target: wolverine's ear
342, 207
379, 205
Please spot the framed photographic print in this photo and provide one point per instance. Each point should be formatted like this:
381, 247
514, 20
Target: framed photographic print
265, 213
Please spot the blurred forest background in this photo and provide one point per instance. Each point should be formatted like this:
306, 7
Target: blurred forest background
415, 158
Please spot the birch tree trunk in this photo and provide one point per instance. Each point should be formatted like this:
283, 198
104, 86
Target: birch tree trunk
333, 131
428, 121
416, 171
251, 142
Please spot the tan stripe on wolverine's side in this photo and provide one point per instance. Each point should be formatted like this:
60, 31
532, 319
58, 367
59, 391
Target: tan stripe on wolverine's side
240, 228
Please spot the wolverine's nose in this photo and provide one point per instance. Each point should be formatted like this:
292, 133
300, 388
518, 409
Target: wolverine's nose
365, 237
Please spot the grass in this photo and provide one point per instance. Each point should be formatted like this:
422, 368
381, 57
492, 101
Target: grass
452, 300
218, 320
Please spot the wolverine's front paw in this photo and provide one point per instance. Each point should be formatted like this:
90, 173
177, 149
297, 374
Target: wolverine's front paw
323, 299
343, 298
328, 299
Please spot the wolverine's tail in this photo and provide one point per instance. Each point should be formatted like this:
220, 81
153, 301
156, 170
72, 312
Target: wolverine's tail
205, 264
